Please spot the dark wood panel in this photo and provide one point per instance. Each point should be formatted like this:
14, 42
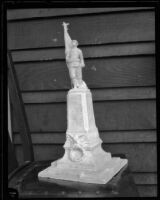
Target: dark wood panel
142, 157
147, 190
109, 115
21, 14
94, 29
19, 154
88, 51
145, 178
107, 137
97, 94
98, 73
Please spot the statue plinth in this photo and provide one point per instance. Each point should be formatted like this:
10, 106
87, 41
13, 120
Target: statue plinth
84, 159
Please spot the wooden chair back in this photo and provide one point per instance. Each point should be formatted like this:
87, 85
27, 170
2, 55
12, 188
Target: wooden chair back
18, 107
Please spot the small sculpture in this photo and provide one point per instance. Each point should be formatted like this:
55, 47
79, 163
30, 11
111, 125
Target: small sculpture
84, 159
74, 59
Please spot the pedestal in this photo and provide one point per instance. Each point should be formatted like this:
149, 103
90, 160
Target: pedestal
84, 159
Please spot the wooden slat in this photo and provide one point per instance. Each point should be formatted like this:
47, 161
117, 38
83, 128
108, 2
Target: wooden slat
21, 14
107, 137
109, 50
98, 73
142, 157
94, 29
109, 115
147, 190
97, 94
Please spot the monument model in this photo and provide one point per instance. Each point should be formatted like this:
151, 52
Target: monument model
84, 159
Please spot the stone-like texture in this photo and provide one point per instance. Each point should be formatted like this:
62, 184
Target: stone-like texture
84, 159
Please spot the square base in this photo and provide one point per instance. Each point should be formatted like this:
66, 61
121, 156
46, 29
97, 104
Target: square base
113, 166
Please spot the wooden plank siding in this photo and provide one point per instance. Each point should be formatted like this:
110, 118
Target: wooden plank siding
101, 29
97, 95
109, 115
99, 73
119, 51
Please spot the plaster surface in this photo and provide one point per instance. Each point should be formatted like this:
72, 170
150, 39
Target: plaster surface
84, 159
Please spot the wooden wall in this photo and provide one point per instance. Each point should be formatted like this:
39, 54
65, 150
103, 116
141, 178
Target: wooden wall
119, 51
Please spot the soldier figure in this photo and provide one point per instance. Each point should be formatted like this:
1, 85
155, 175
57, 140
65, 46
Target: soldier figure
74, 59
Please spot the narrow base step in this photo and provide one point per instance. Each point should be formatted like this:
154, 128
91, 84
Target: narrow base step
113, 166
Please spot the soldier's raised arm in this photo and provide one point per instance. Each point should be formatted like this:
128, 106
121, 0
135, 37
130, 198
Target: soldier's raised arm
67, 38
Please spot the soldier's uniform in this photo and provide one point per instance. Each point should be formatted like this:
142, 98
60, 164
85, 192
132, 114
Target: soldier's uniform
75, 69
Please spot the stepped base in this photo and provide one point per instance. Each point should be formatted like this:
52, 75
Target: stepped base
62, 172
